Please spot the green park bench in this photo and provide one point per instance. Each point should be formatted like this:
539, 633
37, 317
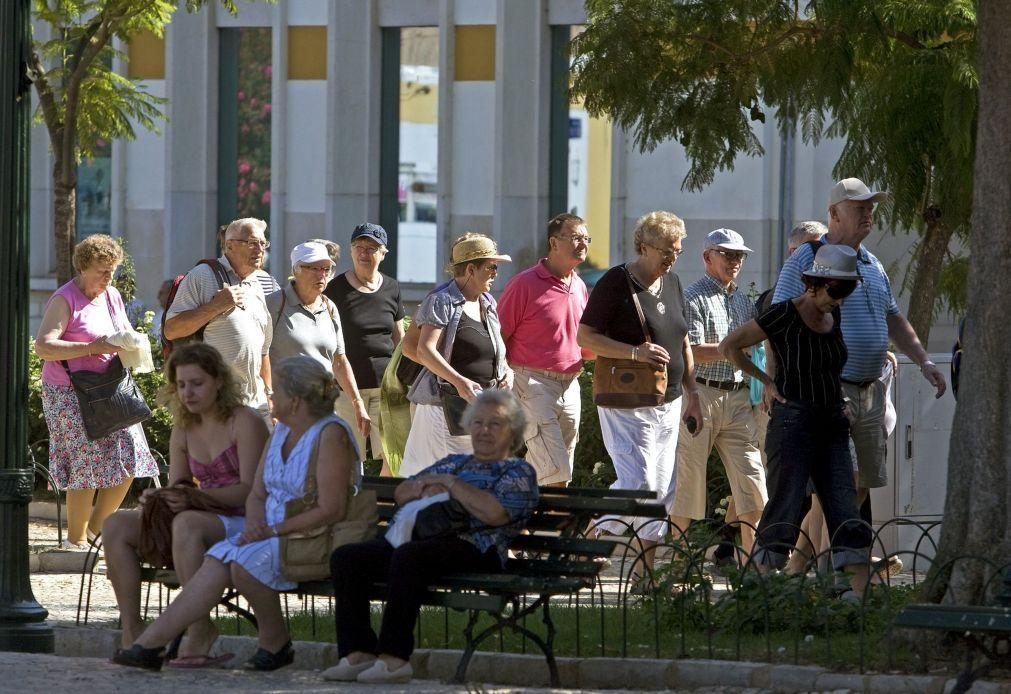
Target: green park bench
985, 630
553, 558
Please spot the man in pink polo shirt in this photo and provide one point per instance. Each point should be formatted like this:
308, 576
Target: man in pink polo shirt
540, 311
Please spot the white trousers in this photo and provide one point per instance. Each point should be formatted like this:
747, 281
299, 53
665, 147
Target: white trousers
429, 440
642, 442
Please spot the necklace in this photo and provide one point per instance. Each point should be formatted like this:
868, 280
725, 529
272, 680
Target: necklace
655, 293
371, 286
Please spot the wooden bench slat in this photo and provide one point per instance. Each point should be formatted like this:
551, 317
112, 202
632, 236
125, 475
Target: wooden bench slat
563, 545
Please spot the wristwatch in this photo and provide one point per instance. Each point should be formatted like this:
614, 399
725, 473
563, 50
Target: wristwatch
927, 363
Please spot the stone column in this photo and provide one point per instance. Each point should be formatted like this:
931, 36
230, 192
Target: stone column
522, 131
191, 177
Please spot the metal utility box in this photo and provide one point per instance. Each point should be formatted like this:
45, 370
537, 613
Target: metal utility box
908, 511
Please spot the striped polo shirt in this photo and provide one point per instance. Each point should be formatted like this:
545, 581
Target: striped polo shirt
241, 335
713, 312
864, 313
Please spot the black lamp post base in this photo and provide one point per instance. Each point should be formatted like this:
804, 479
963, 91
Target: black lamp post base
27, 638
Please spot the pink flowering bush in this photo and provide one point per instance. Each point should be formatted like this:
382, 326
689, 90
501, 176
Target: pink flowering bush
253, 98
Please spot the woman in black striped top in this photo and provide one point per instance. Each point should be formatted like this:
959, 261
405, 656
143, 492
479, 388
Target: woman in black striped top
808, 435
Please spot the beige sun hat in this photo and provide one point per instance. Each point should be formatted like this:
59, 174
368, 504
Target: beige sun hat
476, 247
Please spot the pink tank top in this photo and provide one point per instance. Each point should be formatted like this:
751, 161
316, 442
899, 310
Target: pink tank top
223, 471
89, 320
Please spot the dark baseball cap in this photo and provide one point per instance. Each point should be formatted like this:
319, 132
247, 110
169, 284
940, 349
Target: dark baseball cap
371, 231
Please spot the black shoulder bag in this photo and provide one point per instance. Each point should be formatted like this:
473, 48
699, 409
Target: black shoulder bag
109, 400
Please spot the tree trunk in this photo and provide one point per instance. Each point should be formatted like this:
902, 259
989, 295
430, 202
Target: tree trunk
64, 221
976, 519
930, 255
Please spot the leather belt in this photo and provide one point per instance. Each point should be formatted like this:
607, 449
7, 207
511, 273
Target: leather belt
722, 385
553, 375
860, 384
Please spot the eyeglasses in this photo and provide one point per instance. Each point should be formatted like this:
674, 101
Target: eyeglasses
672, 254
840, 289
578, 238
733, 256
365, 248
318, 269
253, 243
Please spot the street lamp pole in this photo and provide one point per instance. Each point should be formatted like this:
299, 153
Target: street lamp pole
23, 624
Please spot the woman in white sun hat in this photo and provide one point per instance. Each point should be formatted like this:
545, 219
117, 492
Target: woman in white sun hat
306, 322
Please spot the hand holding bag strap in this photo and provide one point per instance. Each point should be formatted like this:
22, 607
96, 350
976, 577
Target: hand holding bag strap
638, 307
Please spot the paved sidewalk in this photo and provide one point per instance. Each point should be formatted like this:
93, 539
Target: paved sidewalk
21, 672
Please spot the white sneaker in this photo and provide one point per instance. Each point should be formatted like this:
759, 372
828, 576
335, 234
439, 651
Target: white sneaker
69, 546
345, 671
379, 673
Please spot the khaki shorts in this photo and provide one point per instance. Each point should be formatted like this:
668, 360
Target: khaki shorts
867, 429
551, 403
730, 427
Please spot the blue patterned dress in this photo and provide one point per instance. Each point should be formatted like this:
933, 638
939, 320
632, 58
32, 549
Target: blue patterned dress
284, 481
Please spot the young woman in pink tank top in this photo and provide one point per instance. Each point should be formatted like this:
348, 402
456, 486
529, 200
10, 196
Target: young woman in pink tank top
216, 442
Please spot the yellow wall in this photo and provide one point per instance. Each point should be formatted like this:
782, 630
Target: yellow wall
598, 191
146, 57
307, 53
419, 103
474, 53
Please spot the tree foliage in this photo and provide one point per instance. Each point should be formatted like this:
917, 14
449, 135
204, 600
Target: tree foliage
896, 78
83, 102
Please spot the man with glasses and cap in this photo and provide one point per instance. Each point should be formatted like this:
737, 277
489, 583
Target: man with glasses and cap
540, 311
715, 307
233, 317
870, 317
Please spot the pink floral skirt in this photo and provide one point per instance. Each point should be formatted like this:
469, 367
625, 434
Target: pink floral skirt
75, 462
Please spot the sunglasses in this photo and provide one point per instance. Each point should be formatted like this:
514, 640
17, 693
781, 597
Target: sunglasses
840, 289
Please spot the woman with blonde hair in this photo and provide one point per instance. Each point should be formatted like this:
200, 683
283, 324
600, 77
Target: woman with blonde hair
79, 318
461, 349
636, 311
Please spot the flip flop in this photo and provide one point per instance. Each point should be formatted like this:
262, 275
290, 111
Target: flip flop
193, 662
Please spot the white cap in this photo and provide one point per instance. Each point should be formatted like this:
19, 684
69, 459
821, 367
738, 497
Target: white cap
727, 240
310, 252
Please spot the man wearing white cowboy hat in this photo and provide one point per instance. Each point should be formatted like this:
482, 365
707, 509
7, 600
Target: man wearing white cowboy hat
233, 318
870, 317
714, 307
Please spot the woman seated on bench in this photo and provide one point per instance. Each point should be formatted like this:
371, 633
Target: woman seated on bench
497, 494
303, 406
216, 441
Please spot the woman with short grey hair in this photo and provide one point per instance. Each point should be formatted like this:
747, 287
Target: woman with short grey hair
307, 322
510, 407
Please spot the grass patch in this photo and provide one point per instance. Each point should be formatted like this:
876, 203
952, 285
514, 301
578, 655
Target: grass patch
826, 632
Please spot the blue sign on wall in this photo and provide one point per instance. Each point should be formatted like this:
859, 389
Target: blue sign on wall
575, 128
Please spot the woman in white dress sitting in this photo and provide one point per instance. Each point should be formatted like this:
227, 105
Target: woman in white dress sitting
303, 407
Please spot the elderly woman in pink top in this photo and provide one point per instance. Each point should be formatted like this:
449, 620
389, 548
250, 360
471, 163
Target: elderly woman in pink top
79, 317
217, 442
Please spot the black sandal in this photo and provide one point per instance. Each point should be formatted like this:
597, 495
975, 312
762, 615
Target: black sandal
138, 656
265, 660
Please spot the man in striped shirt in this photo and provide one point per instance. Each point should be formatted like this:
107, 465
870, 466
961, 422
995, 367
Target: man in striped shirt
715, 307
234, 317
870, 317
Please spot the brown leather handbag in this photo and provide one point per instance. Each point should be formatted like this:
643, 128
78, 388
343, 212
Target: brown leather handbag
628, 383
305, 555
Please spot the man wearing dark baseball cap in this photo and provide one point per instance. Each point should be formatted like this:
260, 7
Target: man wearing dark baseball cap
870, 318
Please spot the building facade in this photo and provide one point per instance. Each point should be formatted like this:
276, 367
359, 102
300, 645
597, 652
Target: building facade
432, 117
